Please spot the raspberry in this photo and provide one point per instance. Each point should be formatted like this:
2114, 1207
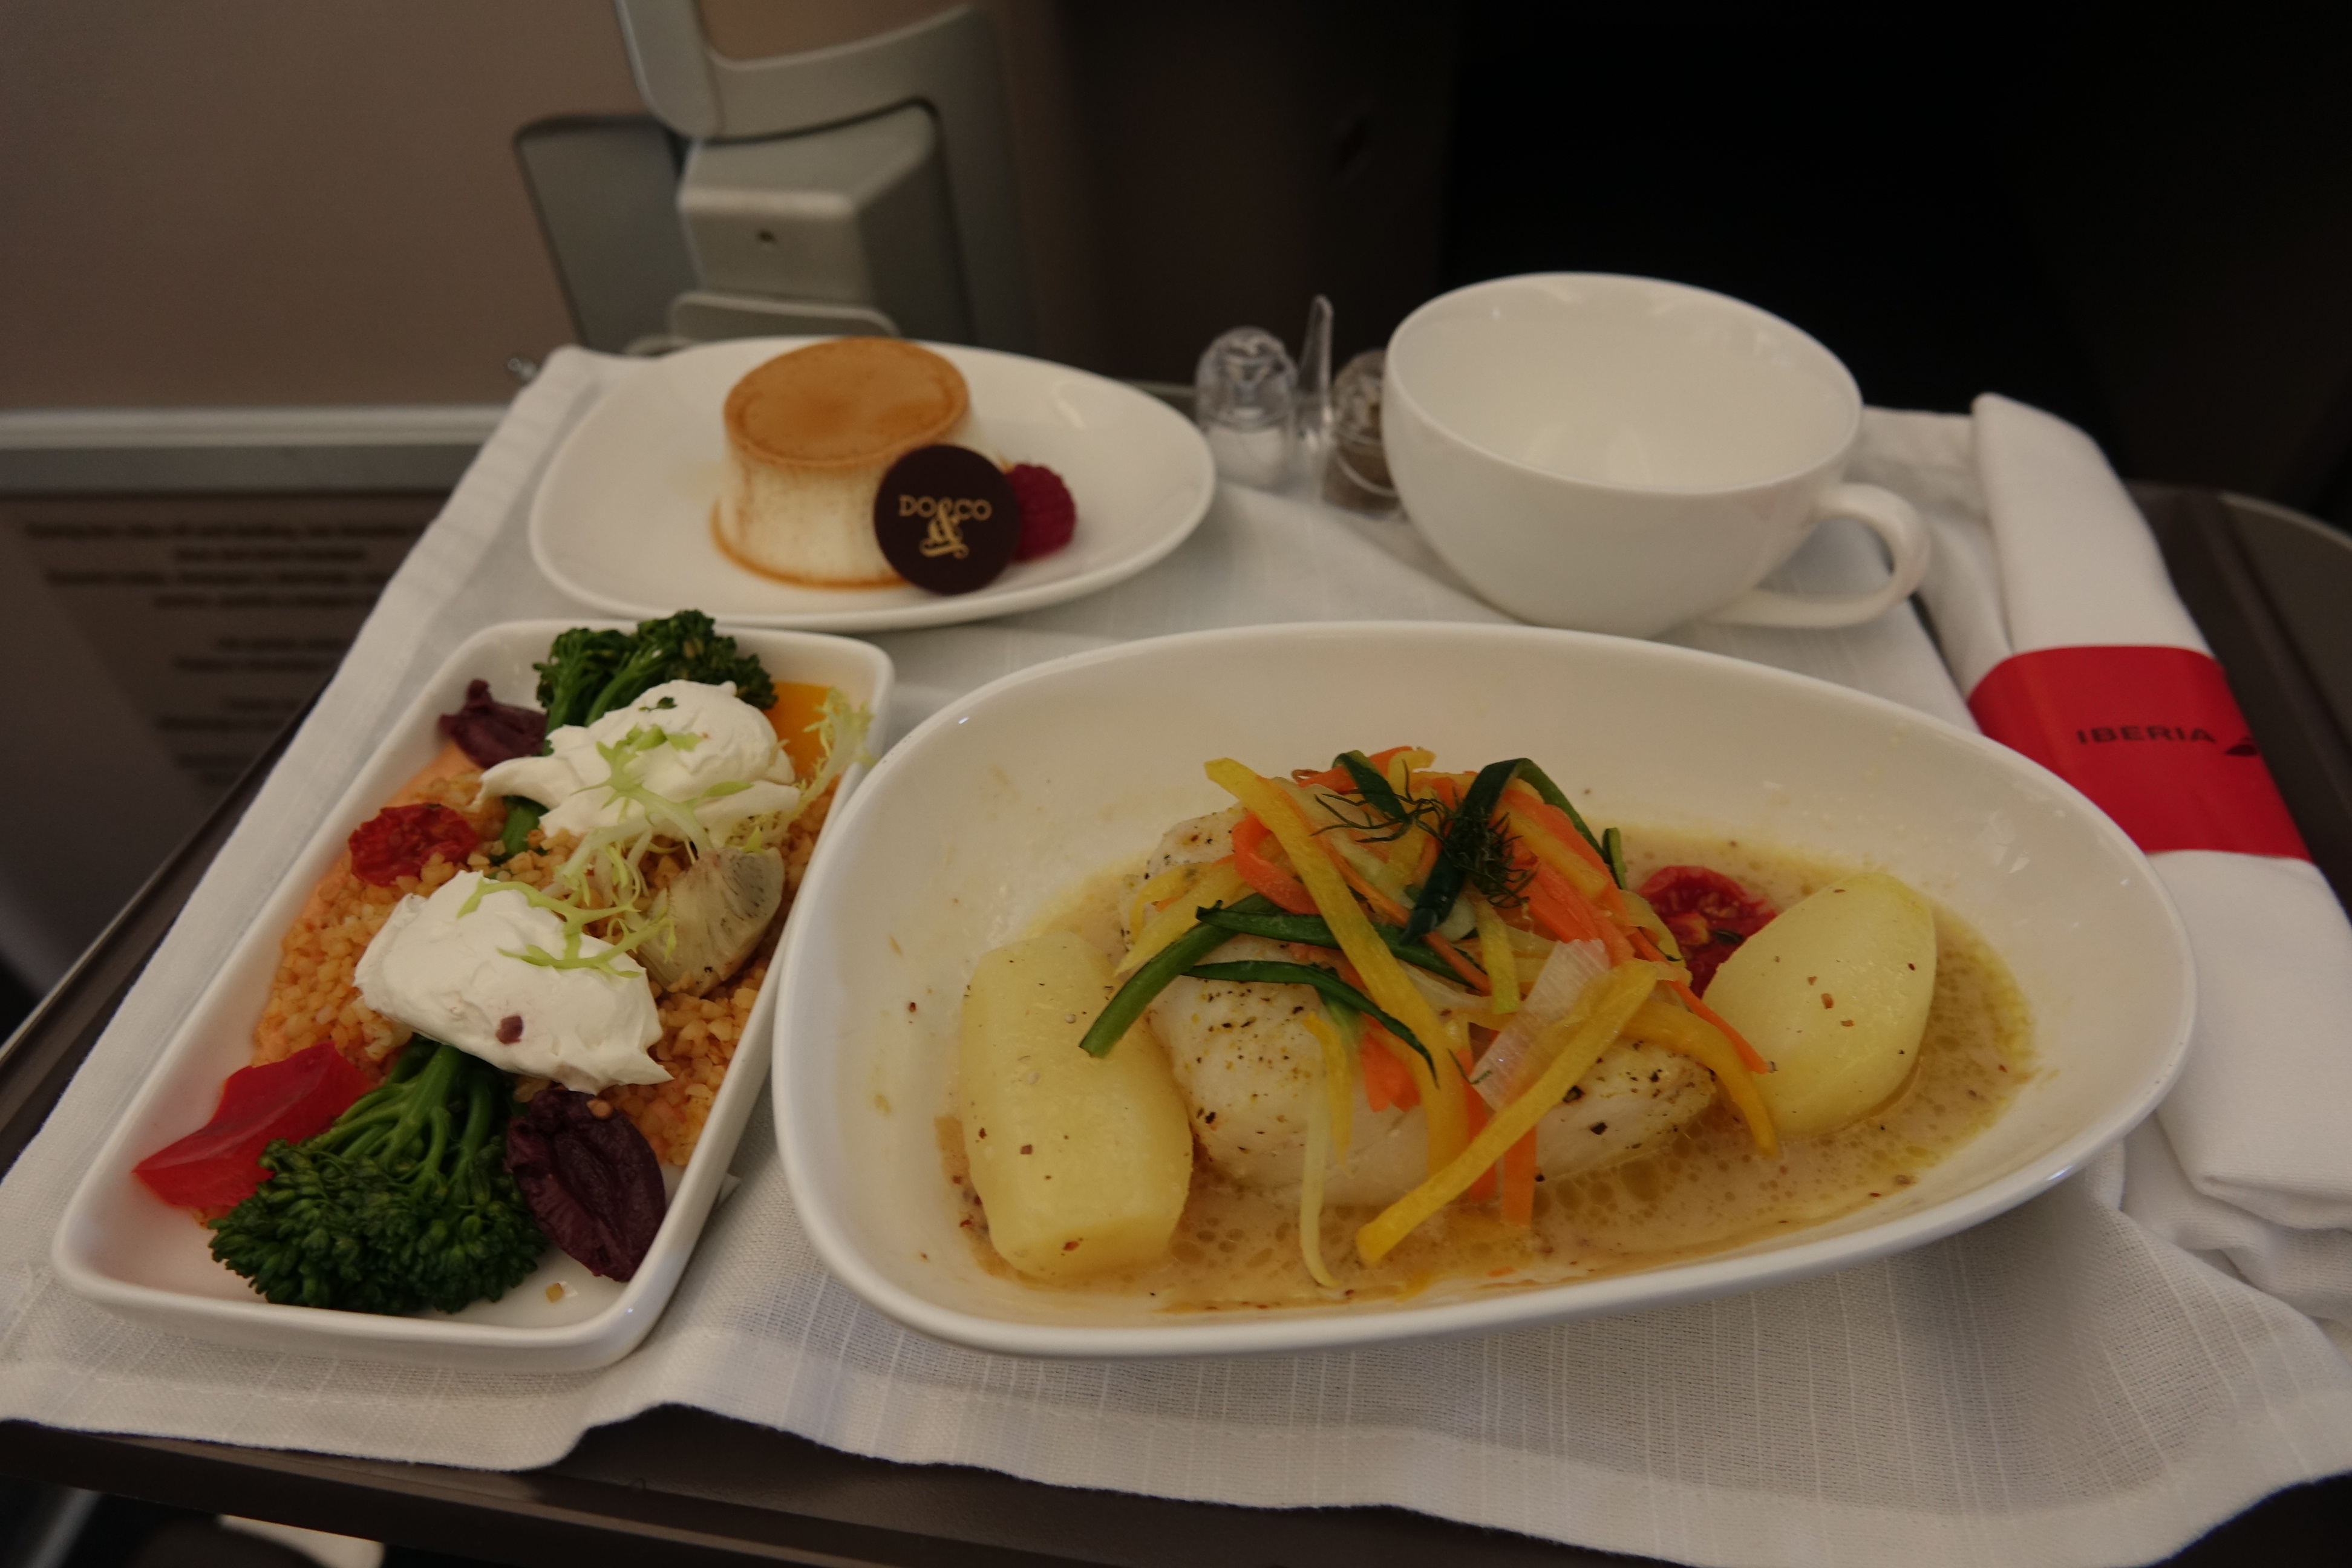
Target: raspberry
1049, 515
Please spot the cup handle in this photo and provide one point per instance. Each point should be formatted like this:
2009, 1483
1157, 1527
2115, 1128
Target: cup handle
1885, 513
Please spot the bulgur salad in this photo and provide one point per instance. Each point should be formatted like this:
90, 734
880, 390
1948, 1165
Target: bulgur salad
513, 999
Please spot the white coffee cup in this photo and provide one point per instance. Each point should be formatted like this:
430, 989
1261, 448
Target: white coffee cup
1622, 455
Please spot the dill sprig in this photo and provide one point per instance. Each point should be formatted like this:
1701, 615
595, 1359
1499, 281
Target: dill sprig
1485, 852
1489, 857
1381, 822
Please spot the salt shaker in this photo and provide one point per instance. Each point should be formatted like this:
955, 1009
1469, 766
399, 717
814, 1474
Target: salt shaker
1246, 396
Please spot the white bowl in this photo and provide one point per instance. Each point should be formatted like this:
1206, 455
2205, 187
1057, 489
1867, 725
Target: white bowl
125, 1248
1623, 454
996, 807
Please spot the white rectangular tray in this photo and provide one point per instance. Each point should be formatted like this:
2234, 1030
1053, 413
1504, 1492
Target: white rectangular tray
123, 1247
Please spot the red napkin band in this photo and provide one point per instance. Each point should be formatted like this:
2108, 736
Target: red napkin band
2152, 736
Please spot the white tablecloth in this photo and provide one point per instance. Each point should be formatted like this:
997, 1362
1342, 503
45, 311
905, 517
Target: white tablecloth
2054, 1387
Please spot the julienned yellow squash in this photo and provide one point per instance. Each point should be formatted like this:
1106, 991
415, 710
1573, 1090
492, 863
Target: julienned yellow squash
1081, 1164
1834, 995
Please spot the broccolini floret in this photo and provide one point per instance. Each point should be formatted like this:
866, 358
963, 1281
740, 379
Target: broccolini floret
588, 674
578, 666
404, 1202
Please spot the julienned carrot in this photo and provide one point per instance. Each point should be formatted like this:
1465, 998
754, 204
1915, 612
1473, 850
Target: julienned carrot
1471, 974
1519, 1205
1568, 920
1525, 798
1263, 874
1575, 1043
1555, 838
1386, 907
1565, 902
1539, 839
1748, 1053
1387, 1081
1362, 866
1441, 1093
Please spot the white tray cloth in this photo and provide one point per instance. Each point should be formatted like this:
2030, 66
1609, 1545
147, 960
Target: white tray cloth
2056, 1387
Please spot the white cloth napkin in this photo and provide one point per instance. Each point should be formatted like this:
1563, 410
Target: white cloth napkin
2056, 1387
2257, 1122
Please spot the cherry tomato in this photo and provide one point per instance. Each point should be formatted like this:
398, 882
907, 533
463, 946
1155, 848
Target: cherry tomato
1709, 914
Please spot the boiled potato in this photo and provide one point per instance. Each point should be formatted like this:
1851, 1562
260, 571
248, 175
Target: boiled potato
1082, 1162
1834, 995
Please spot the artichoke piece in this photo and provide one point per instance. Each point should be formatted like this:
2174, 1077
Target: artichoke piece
719, 908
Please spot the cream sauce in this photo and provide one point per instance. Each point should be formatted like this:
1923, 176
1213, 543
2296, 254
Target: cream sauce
1706, 1191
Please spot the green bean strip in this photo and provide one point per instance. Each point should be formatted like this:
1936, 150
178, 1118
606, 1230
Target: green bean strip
1376, 790
1613, 851
1259, 972
1315, 932
1111, 1025
1553, 797
1452, 868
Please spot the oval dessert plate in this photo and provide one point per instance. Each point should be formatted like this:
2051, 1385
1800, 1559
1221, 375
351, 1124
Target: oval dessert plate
984, 820
623, 519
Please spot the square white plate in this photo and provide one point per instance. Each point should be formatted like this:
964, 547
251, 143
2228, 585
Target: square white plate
995, 808
125, 1248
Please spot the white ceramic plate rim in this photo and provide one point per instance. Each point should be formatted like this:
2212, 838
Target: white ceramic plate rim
1000, 598
604, 1337
797, 1097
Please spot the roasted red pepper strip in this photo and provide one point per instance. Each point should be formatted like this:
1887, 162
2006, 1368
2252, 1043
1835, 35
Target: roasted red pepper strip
397, 841
219, 1166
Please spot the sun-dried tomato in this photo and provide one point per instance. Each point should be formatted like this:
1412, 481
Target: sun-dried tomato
1709, 914
397, 841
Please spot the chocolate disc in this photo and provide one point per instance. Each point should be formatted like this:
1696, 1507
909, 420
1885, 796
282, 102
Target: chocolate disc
947, 520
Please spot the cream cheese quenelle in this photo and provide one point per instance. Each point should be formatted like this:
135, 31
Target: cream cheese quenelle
691, 744
496, 973
471, 965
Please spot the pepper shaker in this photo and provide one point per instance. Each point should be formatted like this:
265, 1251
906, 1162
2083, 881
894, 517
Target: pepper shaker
1356, 476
